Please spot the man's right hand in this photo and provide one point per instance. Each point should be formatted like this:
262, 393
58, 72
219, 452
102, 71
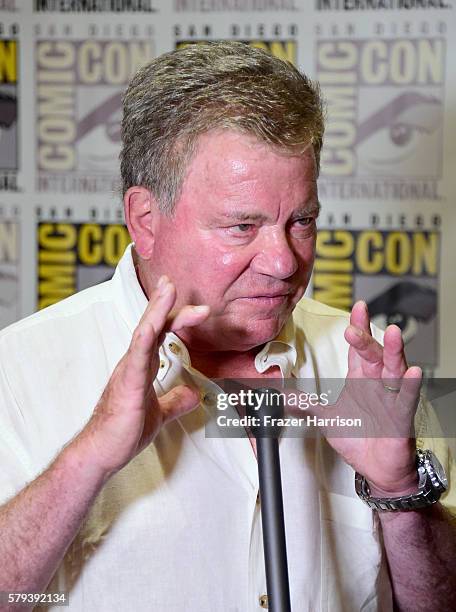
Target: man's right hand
125, 420
129, 414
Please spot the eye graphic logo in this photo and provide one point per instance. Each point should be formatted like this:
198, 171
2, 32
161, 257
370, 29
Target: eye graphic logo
405, 304
8, 105
402, 138
100, 124
385, 109
395, 271
79, 88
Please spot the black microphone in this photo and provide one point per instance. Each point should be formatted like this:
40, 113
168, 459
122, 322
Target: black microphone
270, 408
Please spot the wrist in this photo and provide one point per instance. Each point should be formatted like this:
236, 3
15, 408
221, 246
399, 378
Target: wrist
405, 495
405, 486
79, 462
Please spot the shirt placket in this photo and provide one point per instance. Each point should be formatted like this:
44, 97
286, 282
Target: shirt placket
237, 452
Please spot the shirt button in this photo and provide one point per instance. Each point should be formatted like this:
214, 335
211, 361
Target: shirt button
209, 399
162, 364
174, 348
263, 601
265, 358
258, 499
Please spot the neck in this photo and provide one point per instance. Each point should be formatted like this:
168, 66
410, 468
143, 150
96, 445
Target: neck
224, 364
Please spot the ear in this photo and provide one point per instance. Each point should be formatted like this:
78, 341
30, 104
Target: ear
140, 213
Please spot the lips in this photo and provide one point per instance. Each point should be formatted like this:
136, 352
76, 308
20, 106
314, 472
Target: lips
276, 299
266, 297
269, 295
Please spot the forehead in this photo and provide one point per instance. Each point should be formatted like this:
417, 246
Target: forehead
228, 166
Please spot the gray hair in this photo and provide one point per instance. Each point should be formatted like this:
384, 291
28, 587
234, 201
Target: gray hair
180, 95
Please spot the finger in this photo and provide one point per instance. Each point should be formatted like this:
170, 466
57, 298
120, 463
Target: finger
188, 316
160, 305
163, 280
409, 394
368, 349
394, 362
136, 363
398, 399
178, 401
354, 363
144, 340
359, 316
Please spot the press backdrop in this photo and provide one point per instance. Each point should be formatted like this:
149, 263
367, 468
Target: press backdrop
388, 181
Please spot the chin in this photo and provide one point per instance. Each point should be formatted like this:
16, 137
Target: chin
262, 331
240, 331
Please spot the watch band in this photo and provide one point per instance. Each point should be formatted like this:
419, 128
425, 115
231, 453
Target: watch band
430, 488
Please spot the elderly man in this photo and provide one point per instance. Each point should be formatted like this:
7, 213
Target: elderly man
139, 510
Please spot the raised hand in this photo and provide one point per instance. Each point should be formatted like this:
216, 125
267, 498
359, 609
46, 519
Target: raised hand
129, 414
386, 460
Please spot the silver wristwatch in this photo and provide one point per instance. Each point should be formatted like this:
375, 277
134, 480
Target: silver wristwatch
432, 483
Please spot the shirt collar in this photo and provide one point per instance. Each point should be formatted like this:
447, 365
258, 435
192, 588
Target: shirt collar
279, 352
131, 303
127, 292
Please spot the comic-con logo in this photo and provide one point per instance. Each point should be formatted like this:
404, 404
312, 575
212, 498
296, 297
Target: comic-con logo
79, 88
395, 271
283, 49
8, 113
385, 107
74, 256
9, 278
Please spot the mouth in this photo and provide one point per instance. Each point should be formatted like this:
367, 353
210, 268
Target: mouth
267, 299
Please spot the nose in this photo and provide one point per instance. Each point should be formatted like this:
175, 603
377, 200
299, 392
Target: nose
274, 256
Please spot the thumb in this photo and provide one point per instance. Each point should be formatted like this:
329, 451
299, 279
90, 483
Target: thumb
177, 402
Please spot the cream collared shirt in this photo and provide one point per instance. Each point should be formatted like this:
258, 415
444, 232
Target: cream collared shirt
179, 528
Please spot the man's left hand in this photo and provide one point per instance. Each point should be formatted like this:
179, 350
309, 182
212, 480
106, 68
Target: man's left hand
388, 463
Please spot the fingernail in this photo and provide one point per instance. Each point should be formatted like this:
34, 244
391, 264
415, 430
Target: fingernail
201, 308
161, 281
164, 285
164, 289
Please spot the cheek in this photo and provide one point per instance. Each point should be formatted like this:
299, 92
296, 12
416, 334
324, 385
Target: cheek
211, 267
218, 257
224, 266
214, 273
305, 252
227, 260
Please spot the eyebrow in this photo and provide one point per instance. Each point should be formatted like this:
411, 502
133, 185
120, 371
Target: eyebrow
241, 215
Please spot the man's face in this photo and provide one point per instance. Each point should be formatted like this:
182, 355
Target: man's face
242, 239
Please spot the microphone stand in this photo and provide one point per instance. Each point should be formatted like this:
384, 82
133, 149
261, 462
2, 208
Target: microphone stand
275, 549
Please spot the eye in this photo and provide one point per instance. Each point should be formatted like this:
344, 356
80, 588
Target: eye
241, 231
243, 227
304, 221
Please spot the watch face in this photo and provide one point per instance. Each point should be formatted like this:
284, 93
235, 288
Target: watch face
439, 471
